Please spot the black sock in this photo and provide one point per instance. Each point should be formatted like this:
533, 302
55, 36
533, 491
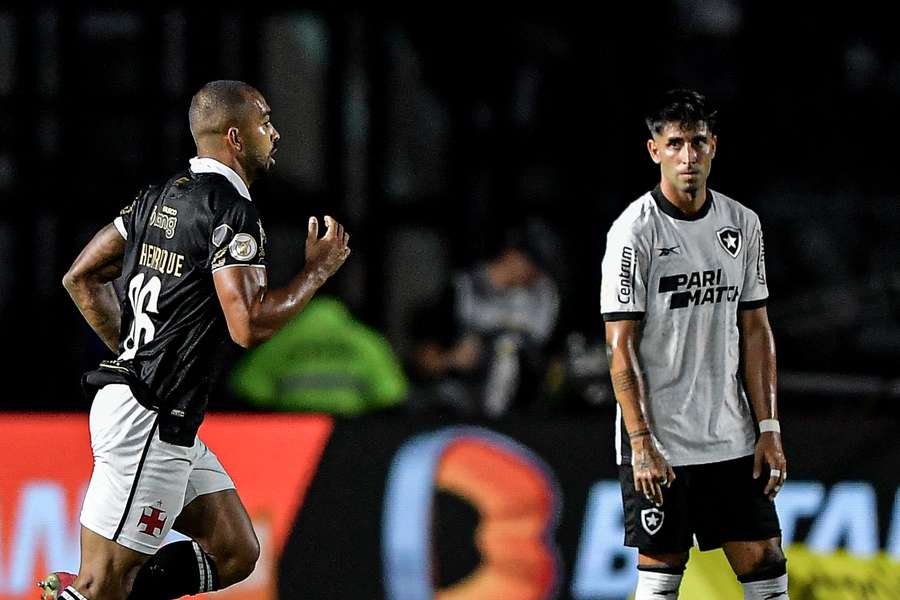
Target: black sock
176, 570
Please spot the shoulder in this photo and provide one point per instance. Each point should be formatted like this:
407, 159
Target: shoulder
635, 219
736, 210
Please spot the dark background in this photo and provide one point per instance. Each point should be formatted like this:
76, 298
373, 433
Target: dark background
427, 131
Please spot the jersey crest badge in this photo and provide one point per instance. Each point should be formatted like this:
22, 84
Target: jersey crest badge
652, 520
731, 240
152, 521
243, 247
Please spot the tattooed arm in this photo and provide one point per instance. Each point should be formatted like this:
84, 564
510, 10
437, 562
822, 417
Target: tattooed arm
89, 283
650, 468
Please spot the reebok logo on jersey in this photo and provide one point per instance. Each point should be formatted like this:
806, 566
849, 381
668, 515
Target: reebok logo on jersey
626, 268
652, 520
697, 288
731, 240
669, 250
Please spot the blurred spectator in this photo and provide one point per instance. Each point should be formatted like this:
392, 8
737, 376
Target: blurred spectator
322, 361
481, 350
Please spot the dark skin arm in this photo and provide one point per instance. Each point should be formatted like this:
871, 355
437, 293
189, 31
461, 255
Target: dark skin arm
758, 366
89, 283
651, 470
254, 313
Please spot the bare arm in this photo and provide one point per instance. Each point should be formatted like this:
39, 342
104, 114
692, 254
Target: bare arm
650, 468
758, 365
254, 313
89, 283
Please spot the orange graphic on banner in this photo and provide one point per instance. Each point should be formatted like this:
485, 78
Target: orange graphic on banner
45, 465
516, 508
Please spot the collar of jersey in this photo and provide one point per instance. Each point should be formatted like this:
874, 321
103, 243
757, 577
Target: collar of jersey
211, 165
673, 211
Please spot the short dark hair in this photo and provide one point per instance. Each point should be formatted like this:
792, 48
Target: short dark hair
218, 105
683, 106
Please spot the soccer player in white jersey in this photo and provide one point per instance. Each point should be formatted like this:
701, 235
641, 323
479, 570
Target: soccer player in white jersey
692, 361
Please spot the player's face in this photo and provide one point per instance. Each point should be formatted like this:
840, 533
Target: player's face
261, 137
684, 155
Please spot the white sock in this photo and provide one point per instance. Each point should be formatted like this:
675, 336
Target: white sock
767, 589
655, 584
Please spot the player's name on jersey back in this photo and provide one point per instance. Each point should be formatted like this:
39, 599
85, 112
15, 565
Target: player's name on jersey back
160, 259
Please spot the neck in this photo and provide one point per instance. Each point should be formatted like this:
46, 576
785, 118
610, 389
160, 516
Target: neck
229, 160
688, 202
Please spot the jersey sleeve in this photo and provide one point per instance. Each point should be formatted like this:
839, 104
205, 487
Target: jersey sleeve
238, 238
123, 221
623, 285
755, 292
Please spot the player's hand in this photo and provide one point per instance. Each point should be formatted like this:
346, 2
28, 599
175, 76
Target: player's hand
769, 454
326, 254
651, 470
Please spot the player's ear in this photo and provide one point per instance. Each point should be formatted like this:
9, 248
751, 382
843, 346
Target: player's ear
713, 144
234, 138
653, 149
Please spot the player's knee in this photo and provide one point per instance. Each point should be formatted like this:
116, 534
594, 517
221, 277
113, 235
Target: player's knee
770, 560
240, 560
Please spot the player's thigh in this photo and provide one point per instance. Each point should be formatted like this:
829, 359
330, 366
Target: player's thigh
138, 483
219, 522
660, 533
729, 505
214, 514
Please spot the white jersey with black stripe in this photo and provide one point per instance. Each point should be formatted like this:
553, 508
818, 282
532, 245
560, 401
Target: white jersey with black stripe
686, 277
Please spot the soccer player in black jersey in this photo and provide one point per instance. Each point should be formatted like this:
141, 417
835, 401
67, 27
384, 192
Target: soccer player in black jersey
192, 254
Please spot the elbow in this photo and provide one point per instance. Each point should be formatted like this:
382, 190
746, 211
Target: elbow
247, 336
72, 280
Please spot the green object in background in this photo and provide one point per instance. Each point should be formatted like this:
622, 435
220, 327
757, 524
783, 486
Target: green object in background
322, 361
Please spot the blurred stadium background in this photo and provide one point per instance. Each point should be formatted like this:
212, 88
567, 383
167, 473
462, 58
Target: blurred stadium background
426, 132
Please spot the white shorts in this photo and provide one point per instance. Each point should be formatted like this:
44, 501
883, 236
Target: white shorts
140, 484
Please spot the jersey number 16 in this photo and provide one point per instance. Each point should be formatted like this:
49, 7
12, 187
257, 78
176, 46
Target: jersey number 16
144, 299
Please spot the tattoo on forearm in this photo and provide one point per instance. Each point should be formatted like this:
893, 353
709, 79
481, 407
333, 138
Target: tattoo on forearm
639, 433
624, 381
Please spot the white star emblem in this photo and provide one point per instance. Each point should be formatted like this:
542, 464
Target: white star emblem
652, 520
731, 241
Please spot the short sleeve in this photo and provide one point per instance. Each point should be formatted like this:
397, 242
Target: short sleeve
126, 215
755, 292
238, 238
623, 287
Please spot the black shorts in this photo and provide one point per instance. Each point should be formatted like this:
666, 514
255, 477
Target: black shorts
716, 502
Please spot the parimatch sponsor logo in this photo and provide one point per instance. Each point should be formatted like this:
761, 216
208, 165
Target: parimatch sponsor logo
697, 288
